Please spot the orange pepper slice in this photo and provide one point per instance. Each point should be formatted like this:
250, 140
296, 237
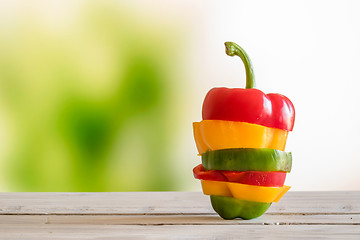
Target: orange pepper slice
218, 134
244, 191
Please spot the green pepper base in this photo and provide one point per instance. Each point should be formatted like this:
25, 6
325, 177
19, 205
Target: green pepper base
229, 208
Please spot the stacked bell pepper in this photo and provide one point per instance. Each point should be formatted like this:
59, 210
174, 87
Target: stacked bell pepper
241, 140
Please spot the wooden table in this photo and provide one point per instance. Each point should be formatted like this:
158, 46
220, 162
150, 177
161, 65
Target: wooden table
173, 215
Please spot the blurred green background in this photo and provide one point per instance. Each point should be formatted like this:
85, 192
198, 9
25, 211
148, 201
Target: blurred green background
88, 98
101, 95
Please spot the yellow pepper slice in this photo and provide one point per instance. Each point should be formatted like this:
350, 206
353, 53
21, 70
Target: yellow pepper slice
218, 134
244, 191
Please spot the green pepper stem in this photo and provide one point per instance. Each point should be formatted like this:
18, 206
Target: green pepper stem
233, 49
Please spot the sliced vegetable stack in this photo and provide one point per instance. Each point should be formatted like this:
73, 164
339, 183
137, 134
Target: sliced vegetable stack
241, 140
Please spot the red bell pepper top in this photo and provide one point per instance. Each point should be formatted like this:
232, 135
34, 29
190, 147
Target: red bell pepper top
249, 105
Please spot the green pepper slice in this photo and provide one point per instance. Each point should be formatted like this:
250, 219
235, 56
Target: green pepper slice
247, 159
230, 208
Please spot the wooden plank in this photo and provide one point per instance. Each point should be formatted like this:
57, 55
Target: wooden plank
70, 231
339, 202
104, 203
266, 219
167, 203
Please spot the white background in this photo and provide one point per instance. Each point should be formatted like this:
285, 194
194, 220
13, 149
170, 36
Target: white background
306, 50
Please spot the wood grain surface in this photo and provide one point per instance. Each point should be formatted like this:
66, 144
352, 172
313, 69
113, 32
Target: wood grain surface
173, 215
